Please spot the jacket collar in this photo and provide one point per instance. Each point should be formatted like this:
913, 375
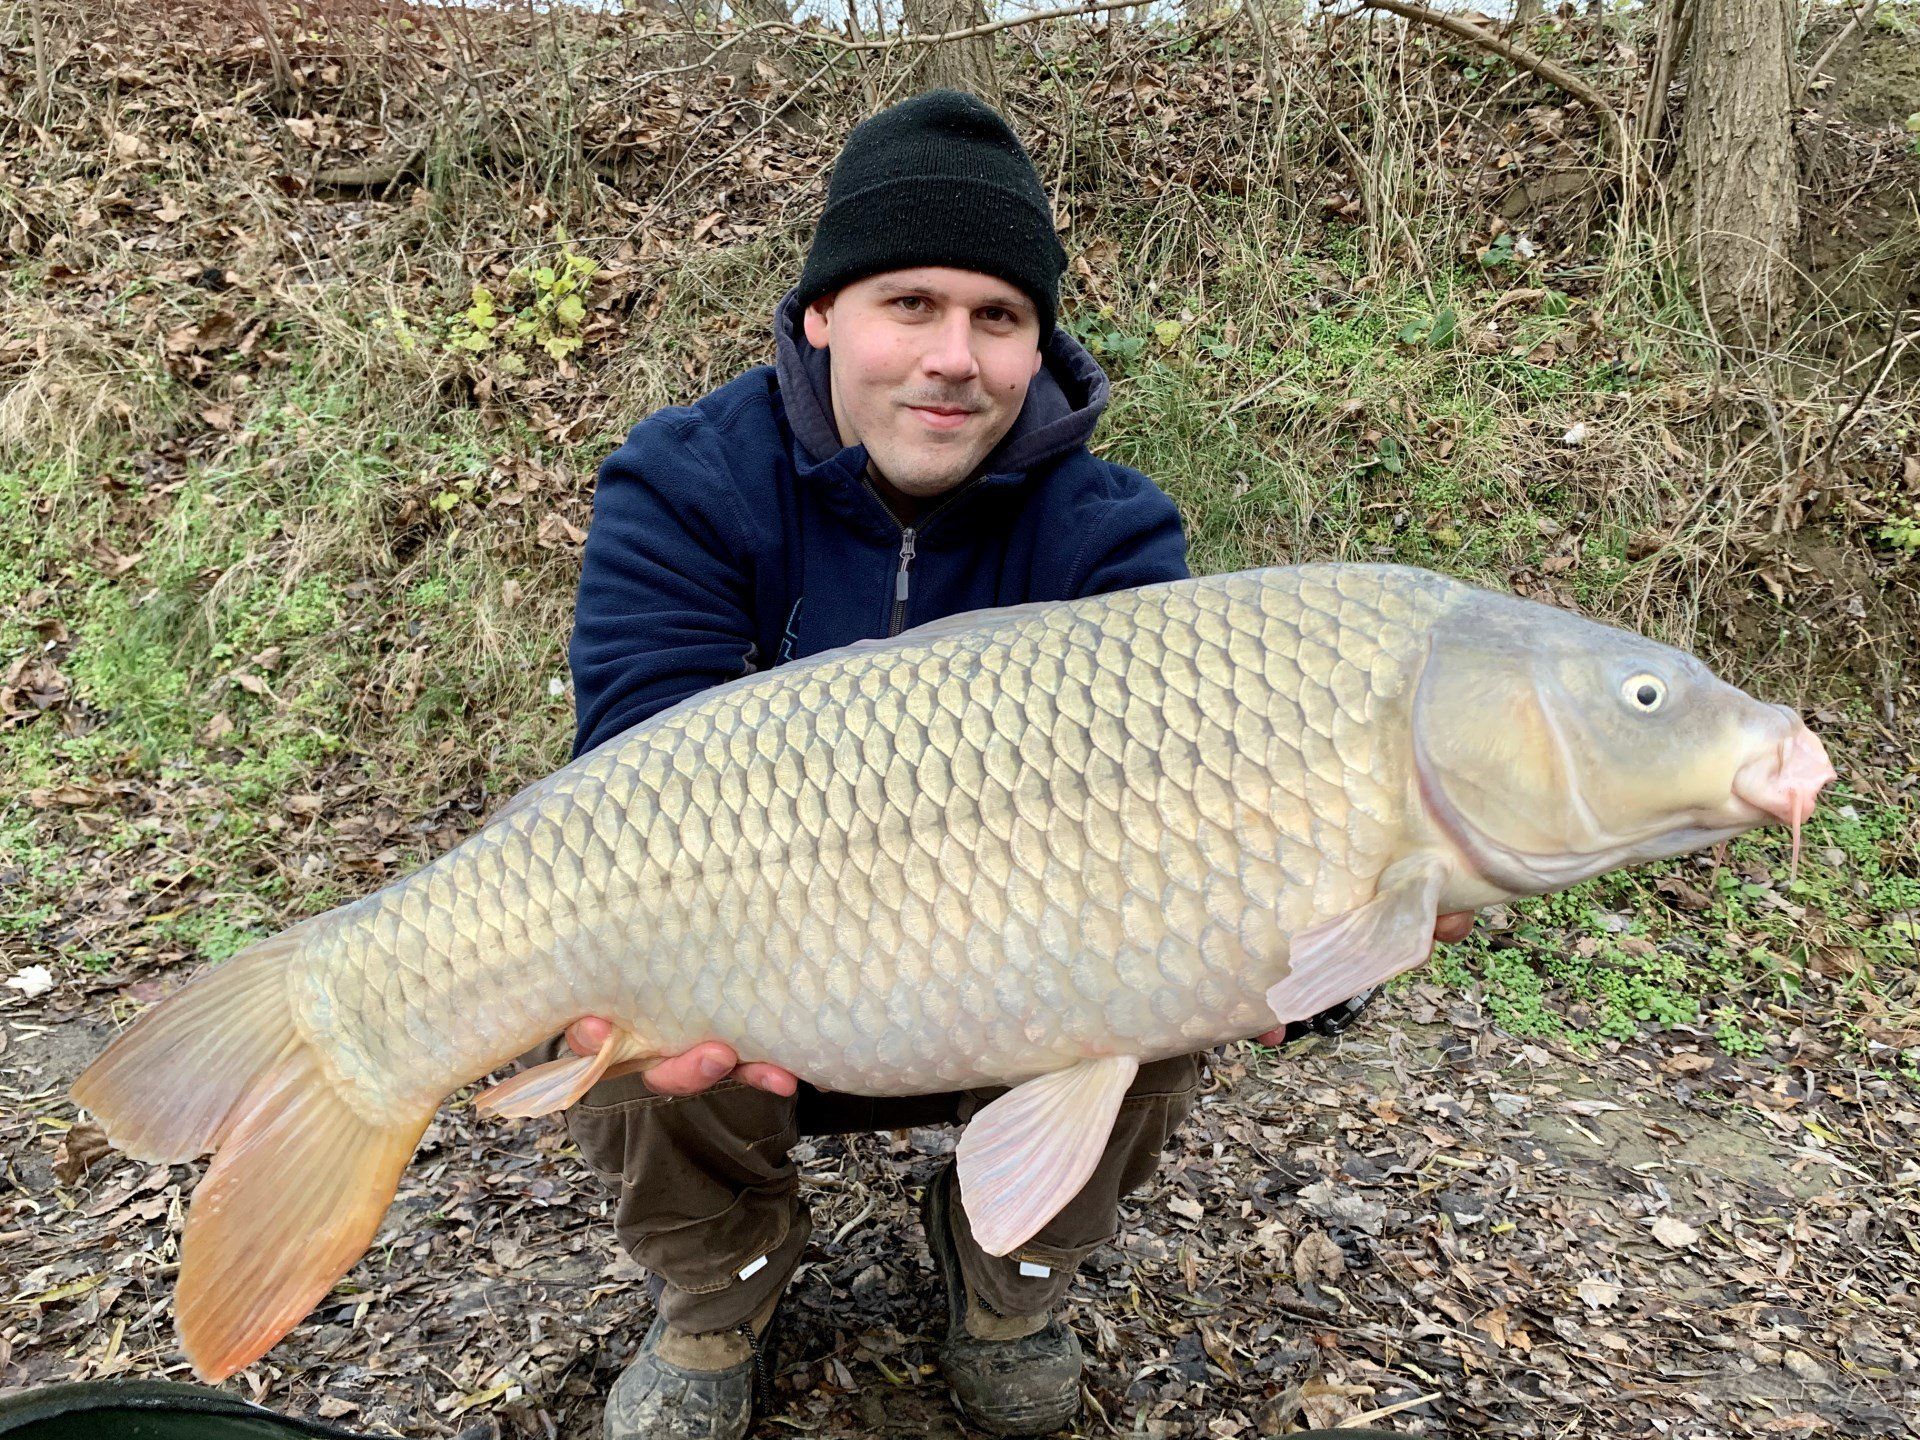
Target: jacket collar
1064, 403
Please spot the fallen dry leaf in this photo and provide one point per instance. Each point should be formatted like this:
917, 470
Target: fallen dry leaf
31, 981
82, 1147
1674, 1234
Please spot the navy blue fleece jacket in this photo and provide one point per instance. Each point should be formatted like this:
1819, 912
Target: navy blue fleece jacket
736, 533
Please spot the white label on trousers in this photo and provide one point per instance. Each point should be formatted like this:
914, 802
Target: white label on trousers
1033, 1271
755, 1268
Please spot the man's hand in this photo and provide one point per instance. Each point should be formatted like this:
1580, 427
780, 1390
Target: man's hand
1446, 928
689, 1072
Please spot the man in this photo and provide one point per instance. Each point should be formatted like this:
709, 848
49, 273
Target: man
918, 449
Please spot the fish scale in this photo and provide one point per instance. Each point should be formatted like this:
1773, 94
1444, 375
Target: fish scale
952, 860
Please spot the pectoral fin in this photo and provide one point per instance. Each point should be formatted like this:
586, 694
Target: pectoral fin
558, 1083
1028, 1153
1390, 933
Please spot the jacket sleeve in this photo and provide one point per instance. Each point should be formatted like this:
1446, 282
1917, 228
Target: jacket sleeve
1132, 536
663, 606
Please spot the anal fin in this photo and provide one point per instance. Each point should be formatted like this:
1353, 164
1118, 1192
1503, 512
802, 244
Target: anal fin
558, 1083
1027, 1154
1391, 933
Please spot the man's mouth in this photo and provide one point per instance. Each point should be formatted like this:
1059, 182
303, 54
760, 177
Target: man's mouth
941, 417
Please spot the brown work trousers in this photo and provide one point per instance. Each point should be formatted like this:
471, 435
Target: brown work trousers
710, 1203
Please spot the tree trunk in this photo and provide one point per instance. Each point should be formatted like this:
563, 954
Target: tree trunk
959, 64
1526, 13
1739, 179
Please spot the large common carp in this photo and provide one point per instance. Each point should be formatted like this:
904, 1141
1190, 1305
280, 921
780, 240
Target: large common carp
1035, 846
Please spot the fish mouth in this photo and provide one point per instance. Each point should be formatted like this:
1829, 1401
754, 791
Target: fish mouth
1784, 781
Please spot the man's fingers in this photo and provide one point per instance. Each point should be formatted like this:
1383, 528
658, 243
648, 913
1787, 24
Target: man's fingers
771, 1078
692, 1071
704, 1066
588, 1034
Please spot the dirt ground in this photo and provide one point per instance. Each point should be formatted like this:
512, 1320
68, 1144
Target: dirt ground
1861, 244
1423, 1220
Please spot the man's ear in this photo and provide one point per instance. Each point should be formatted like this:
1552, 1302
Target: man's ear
1037, 358
816, 318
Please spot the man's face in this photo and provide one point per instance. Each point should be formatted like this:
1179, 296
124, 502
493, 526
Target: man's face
930, 367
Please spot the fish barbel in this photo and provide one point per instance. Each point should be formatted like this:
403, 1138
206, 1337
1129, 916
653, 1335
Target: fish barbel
1033, 847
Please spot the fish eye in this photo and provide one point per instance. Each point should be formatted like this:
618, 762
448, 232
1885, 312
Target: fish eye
1645, 693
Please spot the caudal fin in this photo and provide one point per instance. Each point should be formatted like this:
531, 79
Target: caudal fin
300, 1177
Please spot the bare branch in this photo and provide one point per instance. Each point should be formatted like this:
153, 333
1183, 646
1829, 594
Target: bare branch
1548, 70
1675, 35
897, 42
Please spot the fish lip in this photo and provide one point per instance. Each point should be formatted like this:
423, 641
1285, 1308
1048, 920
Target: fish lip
1784, 783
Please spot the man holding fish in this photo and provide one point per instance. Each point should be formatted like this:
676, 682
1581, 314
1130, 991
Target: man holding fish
917, 450
909, 767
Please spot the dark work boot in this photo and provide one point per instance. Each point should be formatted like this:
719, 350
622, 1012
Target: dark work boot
694, 1386
1330, 1021
1009, 1374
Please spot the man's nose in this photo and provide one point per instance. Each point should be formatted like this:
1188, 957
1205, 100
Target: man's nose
951, 354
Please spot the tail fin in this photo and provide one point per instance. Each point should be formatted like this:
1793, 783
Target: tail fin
300, 1178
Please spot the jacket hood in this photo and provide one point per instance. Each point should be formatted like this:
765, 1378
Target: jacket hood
1064, 400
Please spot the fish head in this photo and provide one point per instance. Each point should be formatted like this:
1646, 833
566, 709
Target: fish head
1549, 748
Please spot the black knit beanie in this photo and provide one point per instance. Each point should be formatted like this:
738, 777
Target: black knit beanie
937, 180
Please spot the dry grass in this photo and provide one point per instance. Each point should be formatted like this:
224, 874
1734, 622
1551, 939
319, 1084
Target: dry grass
74, 391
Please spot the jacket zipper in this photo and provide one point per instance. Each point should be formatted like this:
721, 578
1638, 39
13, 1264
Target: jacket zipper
909, 541
908, 538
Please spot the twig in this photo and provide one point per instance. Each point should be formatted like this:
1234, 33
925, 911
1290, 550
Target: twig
276, 52
1896, 342
1353, 1422
374, 175
1860, 18
849, 46
42, 71
1548, 70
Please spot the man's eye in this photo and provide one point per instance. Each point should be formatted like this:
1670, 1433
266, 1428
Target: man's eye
910, 300
995, 314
